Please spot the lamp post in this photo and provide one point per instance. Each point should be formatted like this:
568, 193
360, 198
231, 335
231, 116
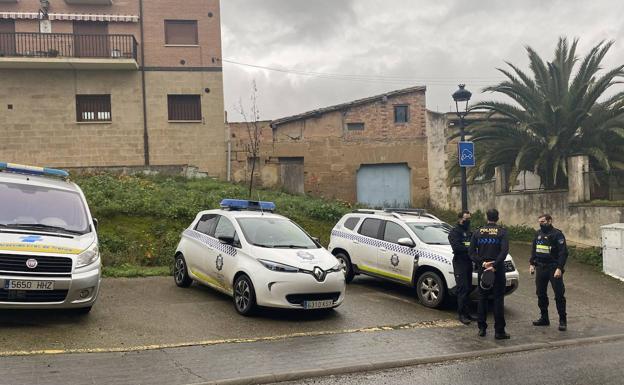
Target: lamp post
462, 97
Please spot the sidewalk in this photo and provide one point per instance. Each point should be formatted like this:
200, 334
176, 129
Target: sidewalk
298, 357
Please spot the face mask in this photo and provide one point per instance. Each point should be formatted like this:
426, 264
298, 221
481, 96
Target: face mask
466, 224
545, 227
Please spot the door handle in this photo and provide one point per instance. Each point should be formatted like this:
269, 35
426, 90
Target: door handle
383, 249
356, 242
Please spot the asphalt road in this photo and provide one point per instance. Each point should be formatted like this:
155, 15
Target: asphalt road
578, 365
153, 311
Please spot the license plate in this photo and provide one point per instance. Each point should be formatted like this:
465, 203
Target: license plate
318, 304
14, 284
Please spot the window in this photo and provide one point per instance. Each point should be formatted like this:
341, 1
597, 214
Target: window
182, 32
224, 228
355, 126
207, 224
394, 232
431, 233
275, 233
350, 223
184, 107
370, 228
401, 114
93, 108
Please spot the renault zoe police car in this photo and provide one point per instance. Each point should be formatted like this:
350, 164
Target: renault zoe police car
259, 258
408, 246
49, 254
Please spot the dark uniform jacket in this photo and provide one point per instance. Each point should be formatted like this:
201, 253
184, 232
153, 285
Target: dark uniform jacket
459, 238
549, 248
489, 243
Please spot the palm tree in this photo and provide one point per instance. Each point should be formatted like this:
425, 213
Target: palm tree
558, 112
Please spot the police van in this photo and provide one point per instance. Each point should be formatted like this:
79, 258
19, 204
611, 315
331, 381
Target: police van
407, 246
259, 258
49, 255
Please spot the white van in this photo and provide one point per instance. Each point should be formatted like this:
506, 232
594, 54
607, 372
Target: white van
49, 255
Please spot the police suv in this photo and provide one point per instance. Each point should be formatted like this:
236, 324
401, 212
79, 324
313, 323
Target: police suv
49, 254
408, 246
259, 258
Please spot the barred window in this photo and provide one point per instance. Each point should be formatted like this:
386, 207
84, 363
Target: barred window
183, 32
355, 126
184, 107
93, 108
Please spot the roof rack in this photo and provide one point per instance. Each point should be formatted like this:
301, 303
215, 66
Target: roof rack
419, 212
33, 170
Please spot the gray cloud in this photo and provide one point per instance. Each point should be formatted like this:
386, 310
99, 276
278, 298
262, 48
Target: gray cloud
407, 42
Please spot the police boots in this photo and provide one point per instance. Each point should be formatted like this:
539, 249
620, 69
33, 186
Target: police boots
542, 321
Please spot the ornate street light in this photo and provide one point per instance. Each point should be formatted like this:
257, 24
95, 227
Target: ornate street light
462, 97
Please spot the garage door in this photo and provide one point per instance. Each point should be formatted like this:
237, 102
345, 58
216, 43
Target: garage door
384, 185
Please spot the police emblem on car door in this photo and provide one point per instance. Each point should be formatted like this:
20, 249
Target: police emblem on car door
396, 261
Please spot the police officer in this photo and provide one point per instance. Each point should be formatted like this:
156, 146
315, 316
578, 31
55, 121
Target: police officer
548, 257
459, 238
489, 247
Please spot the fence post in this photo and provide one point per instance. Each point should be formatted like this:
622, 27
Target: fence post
578, 186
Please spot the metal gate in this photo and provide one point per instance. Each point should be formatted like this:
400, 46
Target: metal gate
384, 185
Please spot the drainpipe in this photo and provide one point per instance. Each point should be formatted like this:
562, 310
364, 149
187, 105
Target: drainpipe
143, 92
229, 150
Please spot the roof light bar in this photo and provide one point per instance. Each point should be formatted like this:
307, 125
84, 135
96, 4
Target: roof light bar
32, 170
242, 204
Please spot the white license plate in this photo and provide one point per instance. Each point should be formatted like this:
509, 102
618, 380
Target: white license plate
14, 284
318, 304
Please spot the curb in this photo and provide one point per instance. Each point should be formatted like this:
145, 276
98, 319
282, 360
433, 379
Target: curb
375, 366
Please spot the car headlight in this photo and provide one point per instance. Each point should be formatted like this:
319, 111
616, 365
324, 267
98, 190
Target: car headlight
87, 257
336, 268
275, 266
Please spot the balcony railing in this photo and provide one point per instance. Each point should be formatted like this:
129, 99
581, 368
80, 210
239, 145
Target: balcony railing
67, 45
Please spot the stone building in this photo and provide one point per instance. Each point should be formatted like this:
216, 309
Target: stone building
87, 83
372, 150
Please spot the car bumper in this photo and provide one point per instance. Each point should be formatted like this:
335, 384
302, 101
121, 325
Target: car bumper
289, 290
78, 291
512, 281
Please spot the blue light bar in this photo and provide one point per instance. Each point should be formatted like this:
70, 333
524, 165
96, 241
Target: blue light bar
32, 170
242, 204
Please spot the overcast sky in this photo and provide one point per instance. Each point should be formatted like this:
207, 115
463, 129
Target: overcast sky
350, 49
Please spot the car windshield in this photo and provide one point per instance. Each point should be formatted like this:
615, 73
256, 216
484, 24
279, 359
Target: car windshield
275, 233
431, 233
41, 208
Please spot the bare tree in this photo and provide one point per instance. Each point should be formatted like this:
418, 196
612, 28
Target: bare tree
251, 119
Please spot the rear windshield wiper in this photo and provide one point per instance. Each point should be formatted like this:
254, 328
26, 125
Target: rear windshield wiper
40, 226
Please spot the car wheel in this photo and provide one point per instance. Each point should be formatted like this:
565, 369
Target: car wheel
180, 272
346, 266
244, 295
430, 289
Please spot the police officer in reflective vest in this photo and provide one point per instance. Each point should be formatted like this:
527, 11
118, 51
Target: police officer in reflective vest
459, 238
489, 247
548, 257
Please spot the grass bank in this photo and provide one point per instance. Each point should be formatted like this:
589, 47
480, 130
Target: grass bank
141, 217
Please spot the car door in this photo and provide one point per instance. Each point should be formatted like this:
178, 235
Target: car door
198, 248
223, 262
366, 246
396, 261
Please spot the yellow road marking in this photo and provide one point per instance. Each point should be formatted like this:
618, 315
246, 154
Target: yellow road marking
448, 323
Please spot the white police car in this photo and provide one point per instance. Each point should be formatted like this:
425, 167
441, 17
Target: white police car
259, 258
49, 254
408, 246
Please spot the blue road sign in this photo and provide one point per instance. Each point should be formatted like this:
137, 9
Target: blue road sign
466, 154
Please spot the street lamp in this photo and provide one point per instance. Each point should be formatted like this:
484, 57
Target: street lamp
462, 97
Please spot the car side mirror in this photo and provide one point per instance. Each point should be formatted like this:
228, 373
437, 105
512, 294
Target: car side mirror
407, 242
96, 223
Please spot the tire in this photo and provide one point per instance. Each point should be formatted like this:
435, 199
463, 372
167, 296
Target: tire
244, 296
430, 289
345, 261
180, 272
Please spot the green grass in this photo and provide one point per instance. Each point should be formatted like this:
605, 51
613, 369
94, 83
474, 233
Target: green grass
141, 217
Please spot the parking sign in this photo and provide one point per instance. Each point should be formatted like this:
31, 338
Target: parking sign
466, 154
